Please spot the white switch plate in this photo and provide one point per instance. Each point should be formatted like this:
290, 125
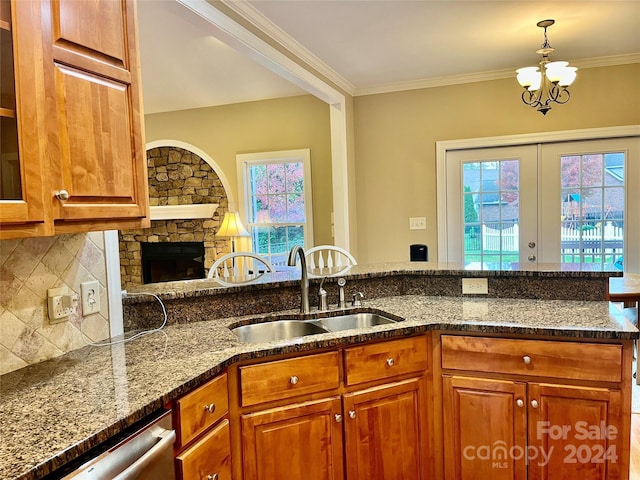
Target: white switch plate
475, 286
417, 223
90, 297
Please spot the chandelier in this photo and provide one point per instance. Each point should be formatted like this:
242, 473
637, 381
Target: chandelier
547, 83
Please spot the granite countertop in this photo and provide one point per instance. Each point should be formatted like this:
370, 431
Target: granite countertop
52, 412
290, 276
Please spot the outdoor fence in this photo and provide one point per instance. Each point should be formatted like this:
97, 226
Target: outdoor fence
576, 243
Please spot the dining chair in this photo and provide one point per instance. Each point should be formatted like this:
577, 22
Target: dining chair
328, 261
239, 268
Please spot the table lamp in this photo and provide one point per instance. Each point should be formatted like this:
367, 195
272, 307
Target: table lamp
233, 227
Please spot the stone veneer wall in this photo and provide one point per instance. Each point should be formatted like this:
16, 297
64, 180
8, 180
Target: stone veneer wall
176, 177
30, 266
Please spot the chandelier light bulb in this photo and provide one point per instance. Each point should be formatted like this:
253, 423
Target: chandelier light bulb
547, 83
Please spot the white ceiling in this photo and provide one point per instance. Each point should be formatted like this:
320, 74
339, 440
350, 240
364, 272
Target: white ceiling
374, 46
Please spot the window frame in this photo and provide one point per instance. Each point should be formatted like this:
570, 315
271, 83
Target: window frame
245, 160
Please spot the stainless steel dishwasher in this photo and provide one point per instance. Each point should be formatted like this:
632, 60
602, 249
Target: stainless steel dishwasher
145, 455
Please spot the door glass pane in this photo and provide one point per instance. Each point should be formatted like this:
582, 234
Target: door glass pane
10, 181
592, 208
491, 213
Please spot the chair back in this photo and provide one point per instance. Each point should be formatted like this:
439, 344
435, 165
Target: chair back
328, 261
239, 268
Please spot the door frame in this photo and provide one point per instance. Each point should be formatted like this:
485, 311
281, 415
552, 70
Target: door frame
632, 263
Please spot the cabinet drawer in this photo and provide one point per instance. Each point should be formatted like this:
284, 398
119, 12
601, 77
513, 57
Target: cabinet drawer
541, 358
287, 378
201, 408
207, 457
386, 359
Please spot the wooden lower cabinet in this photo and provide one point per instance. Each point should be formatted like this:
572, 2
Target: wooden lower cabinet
385, 432
503, 430
295, 442
208, 458
580, 429
481, 421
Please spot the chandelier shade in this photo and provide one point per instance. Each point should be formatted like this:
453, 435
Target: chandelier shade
547, 83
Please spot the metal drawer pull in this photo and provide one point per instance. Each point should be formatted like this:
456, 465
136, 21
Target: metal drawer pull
210, 408
527, 360
520, 403
534, 403
338, 418
390, 362
352, 414
294, 380
212, 477
62, 195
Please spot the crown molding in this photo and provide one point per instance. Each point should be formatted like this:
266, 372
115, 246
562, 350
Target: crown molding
257, 19
490, 75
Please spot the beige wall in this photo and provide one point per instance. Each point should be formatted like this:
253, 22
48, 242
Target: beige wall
269, 125
396, 134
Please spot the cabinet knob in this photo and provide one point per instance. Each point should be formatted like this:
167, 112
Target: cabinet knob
352, 414
527, 360
212, 477
338, 418
62, 195
390, 362
520, 403
534, 403
531, 258
294, 380
210, 408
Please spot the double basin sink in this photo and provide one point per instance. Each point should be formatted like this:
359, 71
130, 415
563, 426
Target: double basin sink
291, 328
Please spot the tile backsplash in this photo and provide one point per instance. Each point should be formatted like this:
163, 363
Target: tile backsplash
28, 267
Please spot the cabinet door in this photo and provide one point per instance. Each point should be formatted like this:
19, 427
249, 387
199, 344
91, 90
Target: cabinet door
484, 425
576, 433
296, 442
95, 111
209, 457
385, 432
22, 124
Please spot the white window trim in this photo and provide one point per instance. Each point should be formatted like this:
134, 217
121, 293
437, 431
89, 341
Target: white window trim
632, 259
243, 161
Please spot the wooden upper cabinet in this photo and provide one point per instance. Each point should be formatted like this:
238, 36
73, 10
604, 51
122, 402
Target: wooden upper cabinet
78, 141
23, 124
96, 111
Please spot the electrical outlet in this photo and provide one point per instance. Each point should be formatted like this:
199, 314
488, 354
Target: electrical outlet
475, 286
90, 297
60, 304
417, 223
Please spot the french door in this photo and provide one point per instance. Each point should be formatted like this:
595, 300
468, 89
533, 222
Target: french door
492, 206
561, 202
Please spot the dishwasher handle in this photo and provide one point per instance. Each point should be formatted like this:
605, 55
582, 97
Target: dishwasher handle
168, 437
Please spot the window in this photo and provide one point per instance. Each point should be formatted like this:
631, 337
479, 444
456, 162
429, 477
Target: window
277, 201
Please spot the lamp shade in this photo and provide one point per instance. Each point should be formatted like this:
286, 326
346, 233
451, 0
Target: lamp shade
232, 226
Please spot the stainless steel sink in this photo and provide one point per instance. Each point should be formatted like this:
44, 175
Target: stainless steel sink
285, 329
354, 320
276, 330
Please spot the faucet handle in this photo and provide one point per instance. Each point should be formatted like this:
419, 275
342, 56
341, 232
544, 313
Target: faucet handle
357, 299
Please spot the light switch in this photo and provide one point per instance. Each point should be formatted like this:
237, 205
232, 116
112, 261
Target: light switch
417, 223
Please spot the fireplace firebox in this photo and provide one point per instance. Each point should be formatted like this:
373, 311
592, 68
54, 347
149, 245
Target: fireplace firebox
169, 261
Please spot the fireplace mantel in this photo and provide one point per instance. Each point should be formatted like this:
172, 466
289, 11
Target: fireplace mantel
179, 212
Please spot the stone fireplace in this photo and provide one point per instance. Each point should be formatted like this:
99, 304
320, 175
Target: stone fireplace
176, 177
